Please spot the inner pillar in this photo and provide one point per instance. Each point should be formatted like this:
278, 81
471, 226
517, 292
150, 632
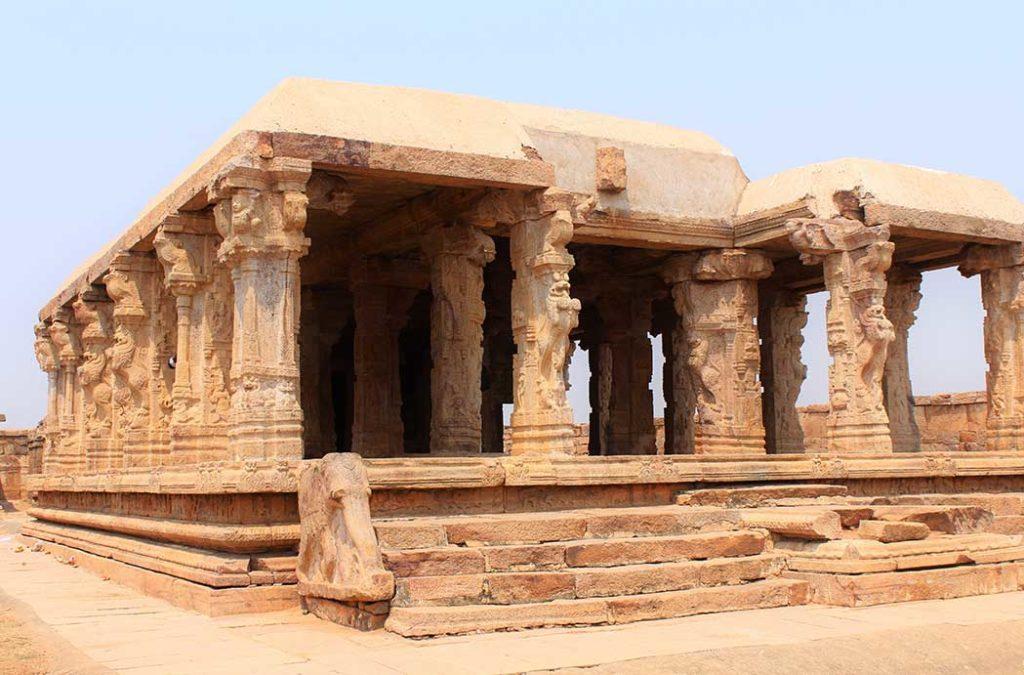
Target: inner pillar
499, 349
855, 260
902, 297
715, 296
380, 312
543, 316
781, 321
1002, 293
627, 365
457, 255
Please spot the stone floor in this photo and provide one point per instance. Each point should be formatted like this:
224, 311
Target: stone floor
91, 625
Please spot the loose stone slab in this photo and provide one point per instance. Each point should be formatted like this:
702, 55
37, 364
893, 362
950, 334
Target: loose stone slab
887, 531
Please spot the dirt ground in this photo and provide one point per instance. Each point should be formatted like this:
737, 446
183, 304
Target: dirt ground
28, 646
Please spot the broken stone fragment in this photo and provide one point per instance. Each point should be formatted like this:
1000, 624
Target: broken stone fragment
889, 531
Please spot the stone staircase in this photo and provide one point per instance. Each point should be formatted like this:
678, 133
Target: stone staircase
596, 566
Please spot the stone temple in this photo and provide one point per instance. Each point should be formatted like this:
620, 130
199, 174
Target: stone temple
288, 381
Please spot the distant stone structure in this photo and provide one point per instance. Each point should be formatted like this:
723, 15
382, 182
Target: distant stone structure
381, 271
20, 455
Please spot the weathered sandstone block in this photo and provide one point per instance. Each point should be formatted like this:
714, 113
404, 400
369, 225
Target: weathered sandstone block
339, 557
888, 531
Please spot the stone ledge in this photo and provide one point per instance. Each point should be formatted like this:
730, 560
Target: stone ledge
179, 592
423, 473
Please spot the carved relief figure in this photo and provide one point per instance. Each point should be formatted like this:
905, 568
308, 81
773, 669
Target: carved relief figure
559, 320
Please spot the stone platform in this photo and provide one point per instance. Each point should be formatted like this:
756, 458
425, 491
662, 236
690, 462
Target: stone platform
493, 543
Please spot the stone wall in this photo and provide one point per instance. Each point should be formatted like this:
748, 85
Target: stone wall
20, 454
946, 422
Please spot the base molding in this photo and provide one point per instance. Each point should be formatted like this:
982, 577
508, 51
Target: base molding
365, 616
177, 591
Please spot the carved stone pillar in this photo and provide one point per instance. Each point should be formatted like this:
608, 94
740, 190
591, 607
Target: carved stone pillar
715, 296
781, 322
902, 297
543, 316
130, 278
202, 293
457, 256
499, 351
48, 357
66, 452
1002, 293
626, 362
93, 315
380, 314
855, 260
260, 211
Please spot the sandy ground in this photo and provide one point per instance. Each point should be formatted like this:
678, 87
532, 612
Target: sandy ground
27, 645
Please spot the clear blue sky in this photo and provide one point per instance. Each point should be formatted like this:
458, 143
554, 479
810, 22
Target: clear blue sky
104, 102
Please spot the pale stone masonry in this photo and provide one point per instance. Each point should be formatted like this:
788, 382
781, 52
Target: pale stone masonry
387, 273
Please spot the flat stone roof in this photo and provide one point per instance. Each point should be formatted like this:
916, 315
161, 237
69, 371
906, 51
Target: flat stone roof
681, 184
903, 196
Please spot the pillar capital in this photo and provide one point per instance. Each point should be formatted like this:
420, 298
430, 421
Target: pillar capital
68, 347
460, 240
260, 208
182, 261
122, 283
815, 238
47, 354
979, 258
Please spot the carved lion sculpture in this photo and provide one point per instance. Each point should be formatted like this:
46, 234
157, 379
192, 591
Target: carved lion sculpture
339, 557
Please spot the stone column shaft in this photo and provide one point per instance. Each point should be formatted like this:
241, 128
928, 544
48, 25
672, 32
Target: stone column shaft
781, 322
260, 212
543, 316
1002, 293
855, 260
457, 256
902, 297
626, 367
715, 296
380, 313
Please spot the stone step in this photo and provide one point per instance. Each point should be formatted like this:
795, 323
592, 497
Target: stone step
505, 588
795, 523
429, 621
460, 560
544, 527
758, 495
861, 590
